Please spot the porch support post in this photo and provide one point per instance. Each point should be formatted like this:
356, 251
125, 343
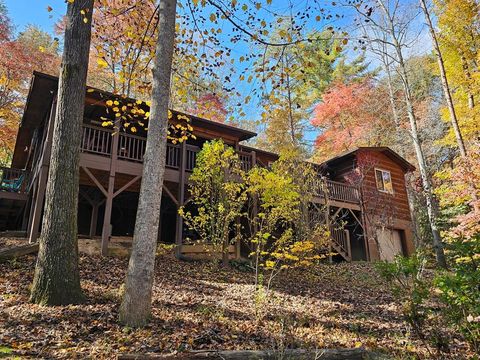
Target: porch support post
107, 227
31, 205
327, 220
181, 199
36, 214
93, 220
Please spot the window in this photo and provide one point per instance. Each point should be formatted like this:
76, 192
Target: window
384, 181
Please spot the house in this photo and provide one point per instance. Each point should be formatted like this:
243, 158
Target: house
111, 169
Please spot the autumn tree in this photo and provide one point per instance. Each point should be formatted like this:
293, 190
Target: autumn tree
136, 305
443, 75
458, 37
297, 77
218, 196
123, 47
393, 23
32, 49
352, 115
57, 279
287, 230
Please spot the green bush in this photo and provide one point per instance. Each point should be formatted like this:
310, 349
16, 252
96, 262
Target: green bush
409, 286
460, 288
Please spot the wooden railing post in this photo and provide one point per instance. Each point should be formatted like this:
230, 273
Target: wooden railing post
349, 245
107, 228
181, 199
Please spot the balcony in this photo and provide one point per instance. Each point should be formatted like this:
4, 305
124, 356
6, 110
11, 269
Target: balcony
131, 148
337, 191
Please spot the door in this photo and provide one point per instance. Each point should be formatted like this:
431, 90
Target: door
389, 243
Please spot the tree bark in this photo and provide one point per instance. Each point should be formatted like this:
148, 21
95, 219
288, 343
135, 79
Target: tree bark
136, 305
427, 187
445, 86
57, 279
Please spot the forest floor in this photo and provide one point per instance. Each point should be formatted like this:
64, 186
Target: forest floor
199, 305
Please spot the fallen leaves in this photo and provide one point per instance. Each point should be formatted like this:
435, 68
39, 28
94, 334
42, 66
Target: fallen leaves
203, 306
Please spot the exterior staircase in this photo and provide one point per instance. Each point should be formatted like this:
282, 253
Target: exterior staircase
340, 242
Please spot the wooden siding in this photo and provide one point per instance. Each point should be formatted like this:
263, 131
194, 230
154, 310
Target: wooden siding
376, 201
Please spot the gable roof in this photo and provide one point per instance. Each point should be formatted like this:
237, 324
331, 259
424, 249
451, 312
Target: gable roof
351, 154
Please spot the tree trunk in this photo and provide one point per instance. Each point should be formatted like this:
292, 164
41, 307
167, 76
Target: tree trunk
136, 305
57, 279
445, 86
427, 188
225, 254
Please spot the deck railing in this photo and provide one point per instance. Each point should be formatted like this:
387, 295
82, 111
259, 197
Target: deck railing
96, 140
338, 191
132, 148
341, 241
246, 160
99, 141
13, 180
191, 157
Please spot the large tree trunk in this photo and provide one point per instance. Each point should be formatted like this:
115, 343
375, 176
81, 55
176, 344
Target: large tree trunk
445, 86
136, 305
57, 279
427, 187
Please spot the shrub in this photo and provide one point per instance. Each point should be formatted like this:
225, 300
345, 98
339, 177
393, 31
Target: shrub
406, 277
460, 287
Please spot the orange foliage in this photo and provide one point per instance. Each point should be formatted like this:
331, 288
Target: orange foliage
350, 115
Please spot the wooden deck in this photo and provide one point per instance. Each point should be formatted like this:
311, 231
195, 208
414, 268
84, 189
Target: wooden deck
114, 163
131, 149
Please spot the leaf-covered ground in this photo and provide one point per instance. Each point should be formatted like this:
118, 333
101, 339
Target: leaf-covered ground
202, 306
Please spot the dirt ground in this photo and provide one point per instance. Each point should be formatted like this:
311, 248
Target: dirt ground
199, 305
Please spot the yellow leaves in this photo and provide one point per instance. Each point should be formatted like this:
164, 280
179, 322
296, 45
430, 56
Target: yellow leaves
102, 63
41, 49
195, 2
234, 3
213, 17
244, 7
258, 6
269, 264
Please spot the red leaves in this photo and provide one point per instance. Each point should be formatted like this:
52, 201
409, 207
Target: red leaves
351, 115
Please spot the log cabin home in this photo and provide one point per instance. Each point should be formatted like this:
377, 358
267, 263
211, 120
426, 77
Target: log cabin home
363, 191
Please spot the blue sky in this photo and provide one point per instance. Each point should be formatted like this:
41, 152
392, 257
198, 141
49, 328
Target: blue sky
24, 12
